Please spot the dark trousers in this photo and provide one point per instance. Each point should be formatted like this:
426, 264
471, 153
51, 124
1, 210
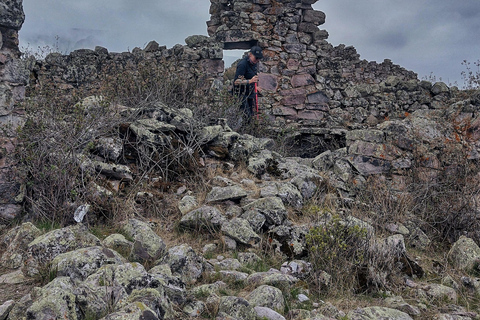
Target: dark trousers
248, 103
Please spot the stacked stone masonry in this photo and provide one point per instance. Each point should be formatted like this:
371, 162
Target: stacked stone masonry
305, 80
13, 78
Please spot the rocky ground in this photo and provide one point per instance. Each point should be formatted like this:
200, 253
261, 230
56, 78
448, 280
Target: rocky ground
241, 246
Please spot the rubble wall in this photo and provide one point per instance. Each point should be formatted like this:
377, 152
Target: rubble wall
13, 78
305, 80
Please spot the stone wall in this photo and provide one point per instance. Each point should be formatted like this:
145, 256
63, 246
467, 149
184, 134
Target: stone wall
13, 78
306, 81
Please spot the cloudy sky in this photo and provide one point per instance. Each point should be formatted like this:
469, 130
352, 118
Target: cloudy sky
426, 36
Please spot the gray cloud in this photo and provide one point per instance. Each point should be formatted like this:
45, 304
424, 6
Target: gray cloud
421, 35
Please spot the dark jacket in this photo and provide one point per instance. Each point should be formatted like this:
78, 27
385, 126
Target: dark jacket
248, 70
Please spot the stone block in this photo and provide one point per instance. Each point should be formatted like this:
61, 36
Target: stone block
302, 80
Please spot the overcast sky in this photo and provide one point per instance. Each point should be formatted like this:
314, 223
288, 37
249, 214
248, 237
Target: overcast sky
425, 36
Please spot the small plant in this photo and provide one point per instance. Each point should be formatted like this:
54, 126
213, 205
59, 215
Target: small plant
338, 248
471, 75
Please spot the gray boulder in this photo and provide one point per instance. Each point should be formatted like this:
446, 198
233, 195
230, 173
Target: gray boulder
375, 313
226, 193
241, 231
17, 240
54, 301
147, 244
44, 249
272, 208
464, 254
268, 314
204, 217
267, 296
236, 307
79, 264
184, 263
133, 311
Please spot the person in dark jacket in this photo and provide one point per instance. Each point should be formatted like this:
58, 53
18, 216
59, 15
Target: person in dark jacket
245, 79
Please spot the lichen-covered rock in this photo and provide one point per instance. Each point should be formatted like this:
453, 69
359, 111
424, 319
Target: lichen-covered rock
268, 314
441, 293
119, 243
271, 278
54, 301
187, 203
44, 249
79, 264
17, 240
285, 191
133, 311
174, 287
203, 217
399, 303
14, 277
147, 244
375, 313
236, 307
207, 290
254, 218
217, 194
241, 231
20, 308
184, 262
267, 296
272, 208
464, 254
5, 309
154, 300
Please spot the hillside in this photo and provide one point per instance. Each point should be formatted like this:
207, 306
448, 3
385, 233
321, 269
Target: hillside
131, 190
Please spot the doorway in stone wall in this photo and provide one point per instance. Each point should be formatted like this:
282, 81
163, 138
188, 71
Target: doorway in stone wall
233, 52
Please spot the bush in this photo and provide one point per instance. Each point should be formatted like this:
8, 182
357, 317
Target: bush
339, 249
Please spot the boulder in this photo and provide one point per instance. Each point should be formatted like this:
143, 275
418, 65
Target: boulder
79, 264
236, 307
267, 296
268, 314
44, 249
147, 245
465, 254
226, 193
374, 313
17, 240
184, 263
53, 301
241, 231
133, 311
272, 208
204, 217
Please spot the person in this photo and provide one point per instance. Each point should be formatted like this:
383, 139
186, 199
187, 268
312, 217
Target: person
244, 82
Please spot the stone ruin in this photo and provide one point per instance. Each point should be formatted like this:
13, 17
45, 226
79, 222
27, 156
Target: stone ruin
13, 79
307, 83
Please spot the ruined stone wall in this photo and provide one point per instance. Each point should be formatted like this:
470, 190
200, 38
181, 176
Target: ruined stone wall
199, 60
306, 81
13, 78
